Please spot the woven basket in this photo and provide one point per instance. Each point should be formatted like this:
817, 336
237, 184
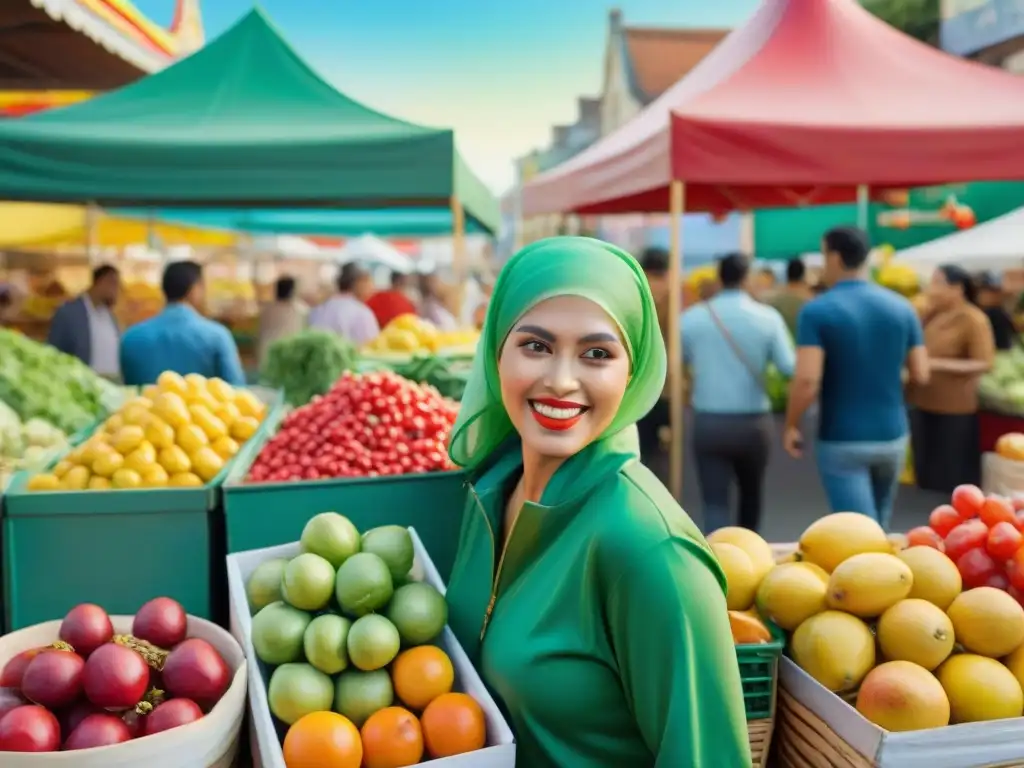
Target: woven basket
760, 732
804, 740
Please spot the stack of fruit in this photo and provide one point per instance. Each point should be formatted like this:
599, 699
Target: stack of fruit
410, 333
357, 677
27, 445
179, 433
921, 637
368, 425
94, 688
746, 559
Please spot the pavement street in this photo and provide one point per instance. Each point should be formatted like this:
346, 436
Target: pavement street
793, 494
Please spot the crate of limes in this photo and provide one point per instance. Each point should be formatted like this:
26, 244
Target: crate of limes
126, 514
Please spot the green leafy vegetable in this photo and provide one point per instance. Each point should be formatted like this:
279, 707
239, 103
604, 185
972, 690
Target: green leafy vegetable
307, 364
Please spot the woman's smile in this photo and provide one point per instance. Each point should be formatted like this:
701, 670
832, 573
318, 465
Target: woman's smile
556, 415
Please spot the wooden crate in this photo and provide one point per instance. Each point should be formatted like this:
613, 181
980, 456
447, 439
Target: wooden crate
760, 732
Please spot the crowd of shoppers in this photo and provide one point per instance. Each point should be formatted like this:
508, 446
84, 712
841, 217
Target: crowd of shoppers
868, 369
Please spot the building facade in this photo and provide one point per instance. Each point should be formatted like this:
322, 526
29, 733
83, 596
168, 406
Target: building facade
639, 64
991, 31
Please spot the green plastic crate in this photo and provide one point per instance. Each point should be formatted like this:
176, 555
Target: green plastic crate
115, 548
759, 672
261, 515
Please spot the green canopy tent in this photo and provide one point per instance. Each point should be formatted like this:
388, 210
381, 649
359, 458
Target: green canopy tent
245, 122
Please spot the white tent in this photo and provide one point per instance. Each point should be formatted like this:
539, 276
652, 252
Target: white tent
997, 245
372, 250
289, 247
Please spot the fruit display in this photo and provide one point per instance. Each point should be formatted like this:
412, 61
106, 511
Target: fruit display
349, 637
746, 558
179, 433
448, 376
918, 632
38, 382
307, 364
367, 425
92, 687
411, 333
25, 446
1002, 388
1011, 446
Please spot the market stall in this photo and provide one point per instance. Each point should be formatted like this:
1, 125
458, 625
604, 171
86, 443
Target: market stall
716, 141
996, 245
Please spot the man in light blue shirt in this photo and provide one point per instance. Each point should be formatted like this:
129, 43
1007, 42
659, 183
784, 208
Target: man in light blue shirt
180, 339
728, 343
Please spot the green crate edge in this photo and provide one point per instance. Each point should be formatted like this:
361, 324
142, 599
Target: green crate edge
756, 654
19, 502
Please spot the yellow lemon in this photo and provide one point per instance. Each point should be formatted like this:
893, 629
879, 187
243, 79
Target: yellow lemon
244, 428
44, 482
106, 438
169, 381
74, 456
135, 414
220, 389
248, 404
204, 399
224, 447
60, 468
159, 433
92, 450
113, 424
154, 476
76, 479
184, 480
97, 483
128, 438
150, 391
190, 438
228, 413
170, 407
206, 463
195, 382
106, 464
141, 458
126, 478
174, 460
206, 421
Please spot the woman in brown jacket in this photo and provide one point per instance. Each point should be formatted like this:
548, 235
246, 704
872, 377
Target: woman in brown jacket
943, 417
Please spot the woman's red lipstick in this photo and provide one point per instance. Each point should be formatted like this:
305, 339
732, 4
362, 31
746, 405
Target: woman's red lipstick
552, 422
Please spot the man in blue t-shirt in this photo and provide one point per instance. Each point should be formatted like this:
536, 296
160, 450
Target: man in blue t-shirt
852, 345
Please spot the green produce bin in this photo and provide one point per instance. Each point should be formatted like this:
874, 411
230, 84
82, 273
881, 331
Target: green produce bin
261, 515
117, 549
759, 672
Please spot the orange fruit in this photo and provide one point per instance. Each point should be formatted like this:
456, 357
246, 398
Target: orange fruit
323, 738
392, 739
453, 724
421, 675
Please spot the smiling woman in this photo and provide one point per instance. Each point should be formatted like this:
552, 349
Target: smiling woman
584, 594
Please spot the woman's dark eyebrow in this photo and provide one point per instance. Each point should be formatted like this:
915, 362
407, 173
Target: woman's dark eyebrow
536, 330
595, 338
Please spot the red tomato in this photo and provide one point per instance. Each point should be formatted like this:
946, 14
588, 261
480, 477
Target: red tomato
998, 581
1020, 519
1018, 502
967, 500
971, 534
944, 519
925, 536
996, 509
1015, 569
1003, 541
976, 568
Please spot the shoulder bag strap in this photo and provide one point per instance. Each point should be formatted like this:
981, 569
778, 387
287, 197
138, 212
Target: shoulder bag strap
758, 377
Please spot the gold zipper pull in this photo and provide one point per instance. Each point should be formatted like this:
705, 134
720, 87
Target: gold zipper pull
487, 615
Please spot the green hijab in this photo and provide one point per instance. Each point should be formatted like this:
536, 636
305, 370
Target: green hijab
560, 266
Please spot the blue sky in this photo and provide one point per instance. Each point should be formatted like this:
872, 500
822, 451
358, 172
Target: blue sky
500, 72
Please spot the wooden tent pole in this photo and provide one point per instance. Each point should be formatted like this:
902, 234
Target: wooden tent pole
92, 241
677, 204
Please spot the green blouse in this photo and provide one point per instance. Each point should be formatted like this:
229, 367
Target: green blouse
606, 638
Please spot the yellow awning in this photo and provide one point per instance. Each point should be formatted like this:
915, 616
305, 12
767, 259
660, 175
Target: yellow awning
44, 225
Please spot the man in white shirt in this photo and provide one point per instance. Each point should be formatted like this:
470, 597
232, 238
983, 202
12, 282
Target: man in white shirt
86, 327
346, 312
